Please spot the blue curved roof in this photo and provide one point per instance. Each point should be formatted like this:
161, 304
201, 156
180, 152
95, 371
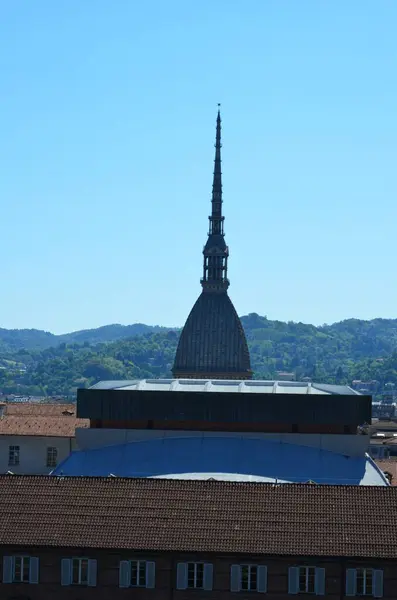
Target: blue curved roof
232, 458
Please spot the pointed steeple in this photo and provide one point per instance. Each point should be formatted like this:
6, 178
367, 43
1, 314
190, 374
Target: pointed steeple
217, 181
212, 344
215, 251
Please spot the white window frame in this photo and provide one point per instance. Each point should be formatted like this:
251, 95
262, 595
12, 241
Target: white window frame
306, 571
80, 560
52, 456
138, 564
14, 451
24, 559
195, 566
364, 571
250, 568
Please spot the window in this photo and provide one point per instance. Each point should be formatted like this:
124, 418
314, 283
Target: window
364, 582
248, 578
52, 456
79, 571
13, 456
195, 575
307, 580
137, 573
20, 569
192, 575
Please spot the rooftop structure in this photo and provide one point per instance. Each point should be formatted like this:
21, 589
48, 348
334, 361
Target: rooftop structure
274, 459
221, 405
224, 430
214, 385
213, 343
198, 516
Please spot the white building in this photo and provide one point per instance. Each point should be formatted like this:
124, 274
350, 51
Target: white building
34, 438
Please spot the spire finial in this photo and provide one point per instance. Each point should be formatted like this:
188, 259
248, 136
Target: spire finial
217, 182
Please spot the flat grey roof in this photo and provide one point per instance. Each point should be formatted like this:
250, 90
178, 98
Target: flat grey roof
221, 385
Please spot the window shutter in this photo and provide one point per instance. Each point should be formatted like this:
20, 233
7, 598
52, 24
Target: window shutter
181, 576
8, 567
125, 574
34, 570
378, 583
150, 574
262, 579
208, 577
293, 580
235, 578
320, 582
351, 575
66, 571
92, 568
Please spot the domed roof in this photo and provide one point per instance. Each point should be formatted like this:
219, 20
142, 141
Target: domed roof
213, 340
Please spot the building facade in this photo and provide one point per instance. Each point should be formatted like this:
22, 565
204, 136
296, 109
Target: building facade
213, 343
80, 538
35, 437
73, 574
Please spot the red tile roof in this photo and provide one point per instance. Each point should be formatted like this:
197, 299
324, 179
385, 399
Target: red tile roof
198, 516
58, 420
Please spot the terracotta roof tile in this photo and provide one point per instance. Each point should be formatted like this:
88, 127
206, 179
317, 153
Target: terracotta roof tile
58, 420
198, 516
39, 409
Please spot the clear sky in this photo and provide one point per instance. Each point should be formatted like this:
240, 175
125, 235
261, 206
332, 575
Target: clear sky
107, 126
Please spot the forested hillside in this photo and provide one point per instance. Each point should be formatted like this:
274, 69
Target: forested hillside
12, 340
35, 362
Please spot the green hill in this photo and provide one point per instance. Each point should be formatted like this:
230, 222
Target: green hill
37, 362
12, 340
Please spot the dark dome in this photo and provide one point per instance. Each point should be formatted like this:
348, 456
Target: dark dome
213, 341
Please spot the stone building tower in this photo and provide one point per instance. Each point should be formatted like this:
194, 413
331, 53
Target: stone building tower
213, 343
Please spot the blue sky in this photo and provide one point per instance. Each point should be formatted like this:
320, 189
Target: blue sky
107, 127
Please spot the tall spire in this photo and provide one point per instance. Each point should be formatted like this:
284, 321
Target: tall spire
217, 181
215, 251
213, 343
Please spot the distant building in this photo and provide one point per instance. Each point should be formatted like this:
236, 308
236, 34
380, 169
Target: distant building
383, 443
105, 537
365, 387
273, 431
384, 410
212, 344
35, 437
